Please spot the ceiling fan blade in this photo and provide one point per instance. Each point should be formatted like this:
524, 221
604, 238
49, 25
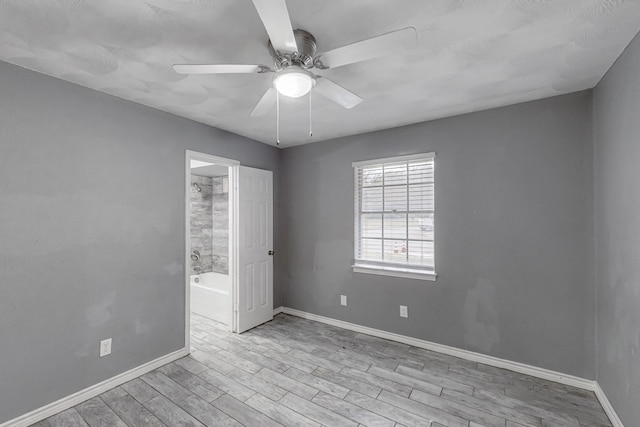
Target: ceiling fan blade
265, 103
275, 17
386, 44
336, 93
219, 69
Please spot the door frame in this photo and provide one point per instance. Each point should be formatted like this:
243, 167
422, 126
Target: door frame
233, 166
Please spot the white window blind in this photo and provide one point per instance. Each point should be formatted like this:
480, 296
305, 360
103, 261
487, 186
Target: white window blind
394, 213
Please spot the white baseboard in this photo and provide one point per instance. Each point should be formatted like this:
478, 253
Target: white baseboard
452, 351
606, 405
522, 368
79, 397
92, 391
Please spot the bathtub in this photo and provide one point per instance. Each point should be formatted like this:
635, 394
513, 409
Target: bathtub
211, 296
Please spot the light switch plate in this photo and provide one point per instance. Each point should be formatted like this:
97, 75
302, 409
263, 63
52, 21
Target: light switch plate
343, 300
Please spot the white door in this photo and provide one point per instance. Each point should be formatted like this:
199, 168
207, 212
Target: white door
255, 241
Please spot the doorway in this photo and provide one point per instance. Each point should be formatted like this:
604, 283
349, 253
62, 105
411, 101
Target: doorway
228, 244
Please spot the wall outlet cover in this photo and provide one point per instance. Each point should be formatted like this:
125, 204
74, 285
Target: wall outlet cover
105, 347
343, 300
404, 311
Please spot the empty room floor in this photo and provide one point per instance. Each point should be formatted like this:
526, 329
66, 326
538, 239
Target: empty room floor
297, 372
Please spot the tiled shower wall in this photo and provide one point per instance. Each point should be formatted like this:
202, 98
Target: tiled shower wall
220, 239
210, 224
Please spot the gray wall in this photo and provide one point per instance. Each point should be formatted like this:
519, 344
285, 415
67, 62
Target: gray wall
92, 233
513, 234
617, 219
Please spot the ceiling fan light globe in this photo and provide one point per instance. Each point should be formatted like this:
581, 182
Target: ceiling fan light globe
294, 82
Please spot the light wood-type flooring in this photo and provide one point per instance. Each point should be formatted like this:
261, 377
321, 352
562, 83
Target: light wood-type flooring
297, 372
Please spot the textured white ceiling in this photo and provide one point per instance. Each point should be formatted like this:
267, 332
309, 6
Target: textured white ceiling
471, 55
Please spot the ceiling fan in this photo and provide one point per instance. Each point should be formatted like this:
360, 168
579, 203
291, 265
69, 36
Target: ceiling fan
294, 55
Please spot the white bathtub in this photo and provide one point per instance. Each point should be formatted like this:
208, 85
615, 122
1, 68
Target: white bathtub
211, 296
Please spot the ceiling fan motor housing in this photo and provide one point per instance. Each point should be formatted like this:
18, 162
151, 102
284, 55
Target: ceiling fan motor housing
307, 47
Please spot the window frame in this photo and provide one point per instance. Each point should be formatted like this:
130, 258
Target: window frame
386, 268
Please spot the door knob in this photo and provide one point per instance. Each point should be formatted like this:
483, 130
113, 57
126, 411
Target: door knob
271, 253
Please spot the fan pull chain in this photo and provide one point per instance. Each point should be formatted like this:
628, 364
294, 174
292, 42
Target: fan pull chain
277, 118
310, 128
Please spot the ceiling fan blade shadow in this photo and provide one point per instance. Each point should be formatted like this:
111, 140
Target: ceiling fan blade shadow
275, 17
375, 47
265, 103
220, 69
336, 93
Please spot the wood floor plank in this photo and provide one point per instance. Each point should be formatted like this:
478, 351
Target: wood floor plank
394, 359
213, 362
287, 340
113, 394
279, 413
451, 360
166, 385
246, 343
468, 380
482, 377
291, 385
351, 411
433, 379
133, 413
290, 361
316, 382
68, 418
486, 419
342, 359
369, 359
422, 410
191, 365
386, 410
245, 414
170, 413
258, 385
347, 382
507, 412
227, 384
376, 381
414, 380
98, 414
239, 361
586, 408
206, 413
264, 360
550, 417
195, 384
315, 360
382, 343
140, 390
316, 412
272, 345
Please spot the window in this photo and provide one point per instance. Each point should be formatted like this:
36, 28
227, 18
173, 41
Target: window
394, 212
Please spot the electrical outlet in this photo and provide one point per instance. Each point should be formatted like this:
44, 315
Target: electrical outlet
105, 347
343, 300
404, 311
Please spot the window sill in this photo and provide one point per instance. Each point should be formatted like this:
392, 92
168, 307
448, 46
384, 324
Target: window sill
406, 273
